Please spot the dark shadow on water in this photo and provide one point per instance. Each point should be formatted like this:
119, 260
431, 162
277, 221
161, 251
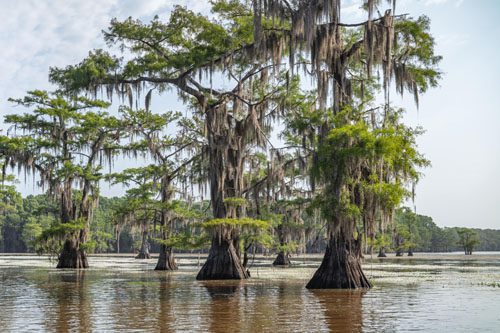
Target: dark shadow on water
343, 309
221, 289
73, 276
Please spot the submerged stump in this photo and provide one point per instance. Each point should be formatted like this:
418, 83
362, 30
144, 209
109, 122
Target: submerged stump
341, 266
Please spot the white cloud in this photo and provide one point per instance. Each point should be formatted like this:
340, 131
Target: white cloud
36, 34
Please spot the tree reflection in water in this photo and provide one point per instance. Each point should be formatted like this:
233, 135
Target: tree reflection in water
69, 293
343, 309
224, 305
165, 319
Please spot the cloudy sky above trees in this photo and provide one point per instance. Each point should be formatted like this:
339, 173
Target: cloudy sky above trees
462, 116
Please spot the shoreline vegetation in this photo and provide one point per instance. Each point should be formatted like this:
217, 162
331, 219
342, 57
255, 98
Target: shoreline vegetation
296, 260
112, 232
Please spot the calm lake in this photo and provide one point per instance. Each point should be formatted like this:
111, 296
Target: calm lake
447, 293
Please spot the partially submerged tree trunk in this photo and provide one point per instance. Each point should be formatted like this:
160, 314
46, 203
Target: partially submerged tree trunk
226, 146
118, 234
398, 240
283, 259
144, 251
223, 262
341, 266
381, 252
410, 252
72, 256
166, 260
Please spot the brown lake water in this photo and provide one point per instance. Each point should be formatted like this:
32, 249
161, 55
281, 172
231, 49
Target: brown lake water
438, 294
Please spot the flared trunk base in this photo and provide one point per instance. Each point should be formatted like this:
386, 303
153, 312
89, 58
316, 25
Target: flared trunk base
341, 267
223, 263
282, 259
166, 260
72, 256
381, 253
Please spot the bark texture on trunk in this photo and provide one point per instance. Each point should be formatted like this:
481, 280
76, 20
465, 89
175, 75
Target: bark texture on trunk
223, 262
72, 256
283, 259
341, 266
144, 251
166, 260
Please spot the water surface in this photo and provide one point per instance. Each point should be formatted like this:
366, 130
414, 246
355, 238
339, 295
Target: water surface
122, 294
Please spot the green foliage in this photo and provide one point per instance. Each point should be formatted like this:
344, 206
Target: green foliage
185, 241
287, 248
235, 202
237, 222
89, 246
414, 47
421, 234
187, 41
90, 71
382, 240
62, 231
468, 239
101, 241
9, 197
31, 233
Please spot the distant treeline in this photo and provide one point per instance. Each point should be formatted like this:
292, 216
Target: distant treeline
21, 226
428, 237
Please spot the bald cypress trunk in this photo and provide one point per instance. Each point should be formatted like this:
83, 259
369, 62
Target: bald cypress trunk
223, 262
144, 251
341, 266
166, 260
226, 146
282, 259
72, 256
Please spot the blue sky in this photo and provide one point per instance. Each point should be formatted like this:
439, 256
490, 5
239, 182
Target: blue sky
462, 116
